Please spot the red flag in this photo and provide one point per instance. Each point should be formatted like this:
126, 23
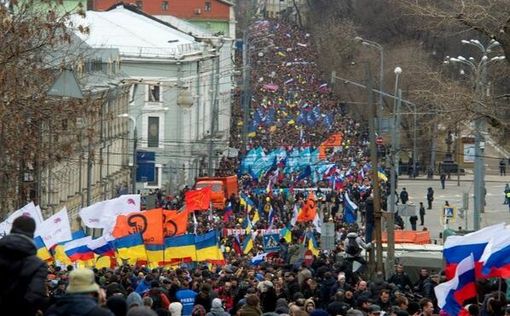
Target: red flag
197, 200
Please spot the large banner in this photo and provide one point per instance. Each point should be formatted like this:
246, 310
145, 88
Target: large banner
154, 225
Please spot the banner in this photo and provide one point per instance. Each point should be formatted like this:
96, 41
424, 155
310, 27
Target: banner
198, 200
239, 231
103, 214
334, 141
174, 223
55, 229
28, 210
148, 223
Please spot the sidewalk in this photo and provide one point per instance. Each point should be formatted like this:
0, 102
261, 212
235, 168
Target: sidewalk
468, 177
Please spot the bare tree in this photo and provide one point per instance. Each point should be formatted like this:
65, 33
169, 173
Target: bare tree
490, 18
31, 32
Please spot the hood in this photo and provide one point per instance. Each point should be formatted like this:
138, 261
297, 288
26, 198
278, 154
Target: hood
217, 311
75, 304
17, 246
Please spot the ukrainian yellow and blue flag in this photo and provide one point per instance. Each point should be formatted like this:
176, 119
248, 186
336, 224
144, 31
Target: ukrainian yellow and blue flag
42, 251
247, 244
207, 248
313, 245
180, 249
131, 248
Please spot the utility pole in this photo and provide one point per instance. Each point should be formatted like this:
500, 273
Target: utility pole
133, 174
89, 169
374, 175
214, 111
246, 95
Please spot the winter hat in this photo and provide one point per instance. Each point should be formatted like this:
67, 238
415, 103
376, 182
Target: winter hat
252, 300
175, 309
198, 310
310, 301
82, 281
216, 303
134, 299
117, 304
24, 225
282, 307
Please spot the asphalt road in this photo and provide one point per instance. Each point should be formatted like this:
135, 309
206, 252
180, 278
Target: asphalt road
495, 211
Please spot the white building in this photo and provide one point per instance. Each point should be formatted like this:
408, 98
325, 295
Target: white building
180, 97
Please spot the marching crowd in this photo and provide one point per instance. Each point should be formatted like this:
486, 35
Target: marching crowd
326, 287
282, 284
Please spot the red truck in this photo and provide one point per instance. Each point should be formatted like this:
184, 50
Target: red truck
222, 188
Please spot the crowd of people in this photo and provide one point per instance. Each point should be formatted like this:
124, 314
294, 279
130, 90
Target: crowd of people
272, 288
287, 87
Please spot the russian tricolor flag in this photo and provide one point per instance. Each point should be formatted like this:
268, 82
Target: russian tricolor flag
496, 257
102, 247
456, 248
451, 295
78, 249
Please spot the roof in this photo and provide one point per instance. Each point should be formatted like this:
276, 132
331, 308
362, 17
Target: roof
185, 26
134, 34
226, 2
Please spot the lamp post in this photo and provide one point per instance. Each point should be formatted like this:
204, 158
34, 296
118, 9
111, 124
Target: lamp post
135, 140
390, 258
479, 76
381, 73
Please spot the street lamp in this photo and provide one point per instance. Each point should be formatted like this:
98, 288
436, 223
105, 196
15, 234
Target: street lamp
135, 143
381, 72
393, 174
479, 76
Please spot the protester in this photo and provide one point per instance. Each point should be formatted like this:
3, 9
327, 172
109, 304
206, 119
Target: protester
83, 297
22, 274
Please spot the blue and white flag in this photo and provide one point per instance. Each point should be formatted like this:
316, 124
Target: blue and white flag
258, 259
350, 208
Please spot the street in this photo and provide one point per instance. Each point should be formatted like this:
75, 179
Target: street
495, 211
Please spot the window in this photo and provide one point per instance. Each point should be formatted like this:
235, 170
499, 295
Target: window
154, 93
207, 7
164, 6
154, 183
153, 131
139, 4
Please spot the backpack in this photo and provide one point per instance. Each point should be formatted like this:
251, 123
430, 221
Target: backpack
352, 247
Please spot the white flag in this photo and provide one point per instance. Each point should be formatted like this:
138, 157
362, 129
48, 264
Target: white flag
55, 229
103, 214
28, 210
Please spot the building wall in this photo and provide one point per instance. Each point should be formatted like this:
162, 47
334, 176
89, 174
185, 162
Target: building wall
183, 132
184, 9
108, 154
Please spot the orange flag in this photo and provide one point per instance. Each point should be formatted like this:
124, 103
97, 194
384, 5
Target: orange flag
175, 223
309, 209
198, 199
335, 140
148, 223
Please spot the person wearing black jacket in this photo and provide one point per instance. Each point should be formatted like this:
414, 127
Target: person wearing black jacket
22, 274
401, 279
83, 297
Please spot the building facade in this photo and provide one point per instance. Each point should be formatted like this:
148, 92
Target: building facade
97, 167
215, 16
179, 100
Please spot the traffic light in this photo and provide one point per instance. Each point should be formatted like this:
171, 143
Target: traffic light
461, 213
